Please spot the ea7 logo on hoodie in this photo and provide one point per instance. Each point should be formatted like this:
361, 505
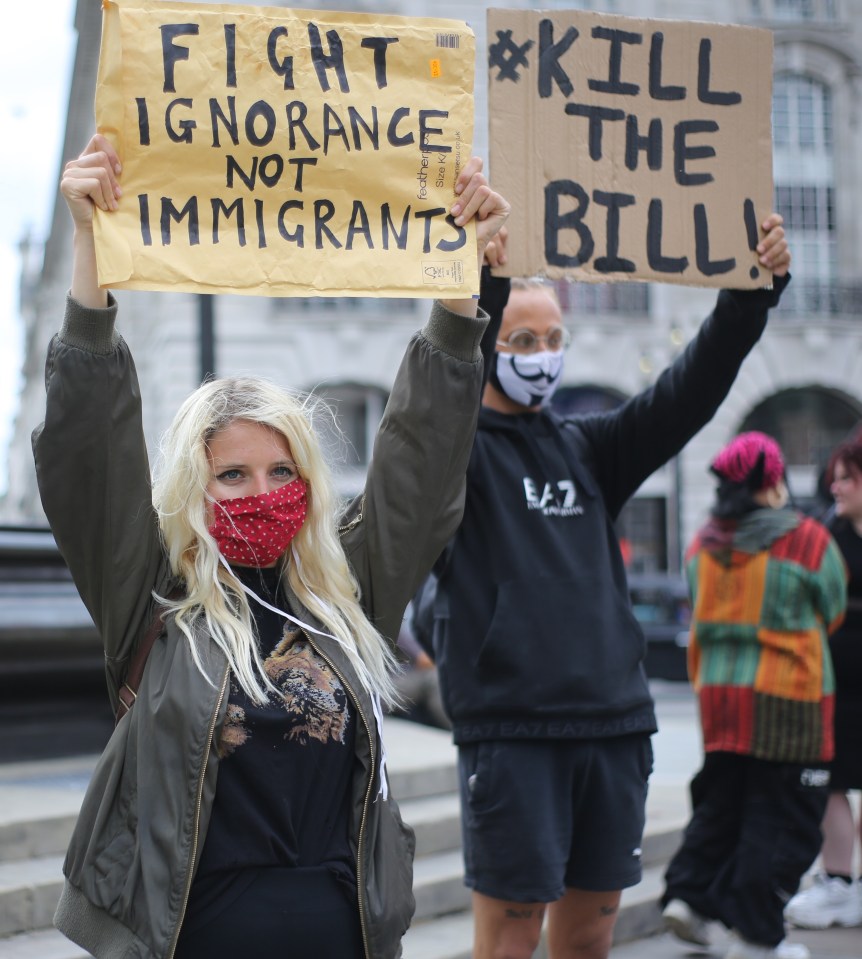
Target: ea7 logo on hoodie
555, 500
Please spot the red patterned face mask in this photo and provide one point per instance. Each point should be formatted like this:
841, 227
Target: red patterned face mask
256, 530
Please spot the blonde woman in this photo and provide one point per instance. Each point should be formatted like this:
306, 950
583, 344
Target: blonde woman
241, 807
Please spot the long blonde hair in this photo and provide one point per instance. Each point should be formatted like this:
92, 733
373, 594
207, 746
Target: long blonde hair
315, 565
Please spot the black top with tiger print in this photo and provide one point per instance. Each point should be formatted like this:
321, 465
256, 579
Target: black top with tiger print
285, 768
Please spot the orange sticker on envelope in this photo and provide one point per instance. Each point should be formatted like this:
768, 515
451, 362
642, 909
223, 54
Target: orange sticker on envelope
435, 69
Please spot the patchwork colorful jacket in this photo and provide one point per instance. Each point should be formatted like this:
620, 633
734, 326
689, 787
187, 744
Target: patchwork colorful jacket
767, 590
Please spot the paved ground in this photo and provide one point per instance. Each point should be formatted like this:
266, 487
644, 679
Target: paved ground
826, 944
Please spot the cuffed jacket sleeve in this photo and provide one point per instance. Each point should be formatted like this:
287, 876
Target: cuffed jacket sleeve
94, 480
493, 297
414, 494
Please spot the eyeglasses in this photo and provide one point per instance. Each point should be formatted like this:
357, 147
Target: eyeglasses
526, 341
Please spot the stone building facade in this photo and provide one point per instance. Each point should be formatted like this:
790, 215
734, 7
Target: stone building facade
803, 382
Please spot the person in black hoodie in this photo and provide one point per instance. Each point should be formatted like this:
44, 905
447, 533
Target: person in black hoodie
539, 654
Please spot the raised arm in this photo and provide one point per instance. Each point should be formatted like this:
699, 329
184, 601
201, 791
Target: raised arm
630, 443
414, 493
476, 200
493, 296
773, 251
88, 182
91, 461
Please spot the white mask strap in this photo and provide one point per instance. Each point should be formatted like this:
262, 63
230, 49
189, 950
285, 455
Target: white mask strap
378, 718
273, 609
375, 699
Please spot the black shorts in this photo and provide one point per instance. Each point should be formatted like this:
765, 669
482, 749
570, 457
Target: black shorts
540, 817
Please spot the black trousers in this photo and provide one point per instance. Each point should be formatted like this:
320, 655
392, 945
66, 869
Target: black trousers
285, 913
754, 831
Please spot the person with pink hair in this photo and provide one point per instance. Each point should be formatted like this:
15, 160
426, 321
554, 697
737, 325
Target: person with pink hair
768, 588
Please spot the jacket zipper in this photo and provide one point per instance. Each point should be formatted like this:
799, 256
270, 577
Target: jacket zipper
359, 877
357, 519
198, 814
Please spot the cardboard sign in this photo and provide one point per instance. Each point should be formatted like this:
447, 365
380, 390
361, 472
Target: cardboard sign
631, 149
285, 152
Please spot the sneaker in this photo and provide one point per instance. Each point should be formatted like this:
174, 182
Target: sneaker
743, 949
828, 902
792, 950
685, 923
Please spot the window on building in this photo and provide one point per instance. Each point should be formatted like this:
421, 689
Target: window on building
798, 9
604, 6
643, 524
642, 528
793, 9
574, 400
347, 435
803, 129
342, 304
808, 424
577, 299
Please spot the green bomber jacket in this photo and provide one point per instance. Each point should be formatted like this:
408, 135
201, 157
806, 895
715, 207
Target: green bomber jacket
144, 818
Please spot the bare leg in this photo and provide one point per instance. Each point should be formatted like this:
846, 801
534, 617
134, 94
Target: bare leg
581, 924
505, 930
839, 835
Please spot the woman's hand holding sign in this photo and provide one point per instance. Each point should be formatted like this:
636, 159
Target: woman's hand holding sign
476, 199
90, 181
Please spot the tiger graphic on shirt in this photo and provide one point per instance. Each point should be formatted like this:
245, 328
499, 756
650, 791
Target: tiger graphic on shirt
311, 694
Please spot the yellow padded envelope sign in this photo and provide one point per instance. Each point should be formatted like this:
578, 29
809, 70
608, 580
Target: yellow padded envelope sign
285, 152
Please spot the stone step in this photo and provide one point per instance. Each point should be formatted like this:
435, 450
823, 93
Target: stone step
639, 913
451, 936
39, 800
660, 842
446, 937
44, 944
29, 888
436, 821
43, 799
35, 837
438, 885
29, 891
421, 761
39, 803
